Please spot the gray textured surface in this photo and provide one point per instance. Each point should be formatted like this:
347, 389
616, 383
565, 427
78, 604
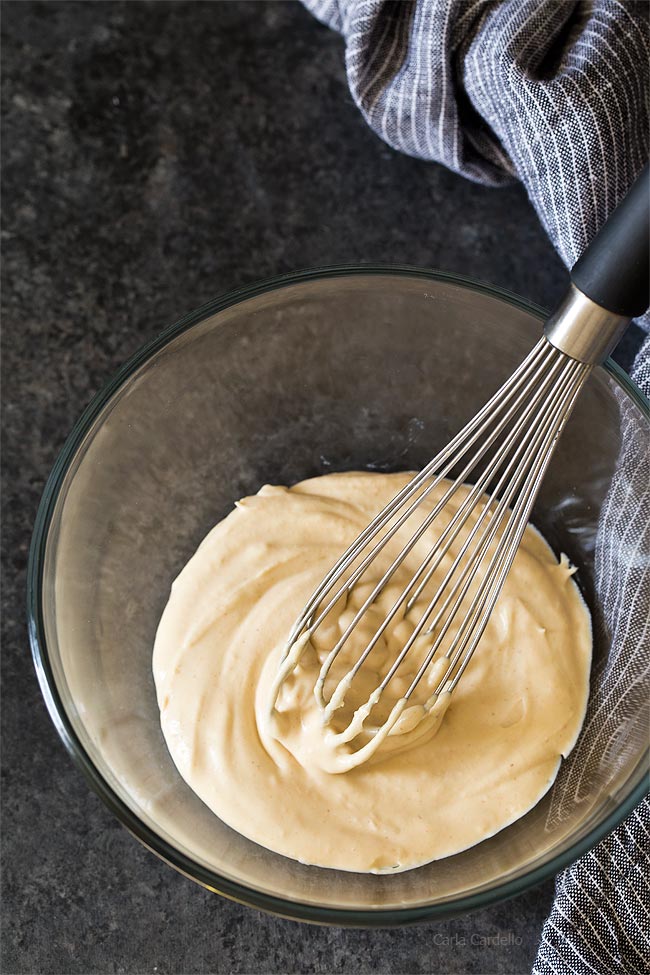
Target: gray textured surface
156, 154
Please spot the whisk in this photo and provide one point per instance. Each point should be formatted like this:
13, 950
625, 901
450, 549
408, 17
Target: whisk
503, 452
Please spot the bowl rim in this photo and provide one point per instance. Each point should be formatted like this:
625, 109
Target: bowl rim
213, 881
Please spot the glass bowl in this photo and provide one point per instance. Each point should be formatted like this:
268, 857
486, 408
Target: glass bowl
335, 369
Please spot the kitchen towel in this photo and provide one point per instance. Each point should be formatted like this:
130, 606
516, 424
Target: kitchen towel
553, 93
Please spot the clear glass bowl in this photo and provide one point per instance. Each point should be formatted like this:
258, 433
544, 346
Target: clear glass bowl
337, 369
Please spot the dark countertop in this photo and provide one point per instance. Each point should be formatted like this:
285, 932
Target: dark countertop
155, 155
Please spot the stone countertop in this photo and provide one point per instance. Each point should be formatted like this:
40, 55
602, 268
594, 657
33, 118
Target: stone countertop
155, 155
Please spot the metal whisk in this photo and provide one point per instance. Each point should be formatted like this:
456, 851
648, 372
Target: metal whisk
500, 457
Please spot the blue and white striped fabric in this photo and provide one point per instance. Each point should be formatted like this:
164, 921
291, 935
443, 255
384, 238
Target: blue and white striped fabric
553, 93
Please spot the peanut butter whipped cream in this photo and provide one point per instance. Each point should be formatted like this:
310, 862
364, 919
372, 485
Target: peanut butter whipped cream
482, 758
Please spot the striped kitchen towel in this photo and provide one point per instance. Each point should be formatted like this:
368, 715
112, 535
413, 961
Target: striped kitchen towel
553, 93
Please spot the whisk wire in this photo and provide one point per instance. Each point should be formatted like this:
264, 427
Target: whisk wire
354, 551
518, 522
470, 434
528, 447
444, 541
520, 424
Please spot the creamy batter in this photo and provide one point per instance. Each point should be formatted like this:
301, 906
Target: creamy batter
278, 775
